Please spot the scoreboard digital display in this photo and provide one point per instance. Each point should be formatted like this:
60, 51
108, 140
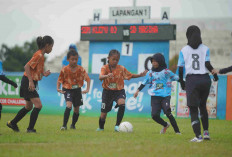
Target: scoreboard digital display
128, 32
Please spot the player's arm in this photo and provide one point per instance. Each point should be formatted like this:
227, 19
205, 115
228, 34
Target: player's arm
225, 70
139, 75
28, 72
59, 82
87, 79
209, 66
103, 75
6, 80
143, 84
181, 64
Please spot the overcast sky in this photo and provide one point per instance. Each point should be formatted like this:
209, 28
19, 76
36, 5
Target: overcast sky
22, 20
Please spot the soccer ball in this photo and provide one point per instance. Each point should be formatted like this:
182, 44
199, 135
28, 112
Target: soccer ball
125, 127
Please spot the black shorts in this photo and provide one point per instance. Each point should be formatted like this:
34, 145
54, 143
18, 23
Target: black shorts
109, 96
158, 103
73, 95
24, 91
197, 89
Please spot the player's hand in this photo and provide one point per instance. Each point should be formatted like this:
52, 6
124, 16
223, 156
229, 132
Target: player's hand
110, 75
214, 71
143, 73
31, 86
136, 93
60, 91
85, 91
215, 77
46, 73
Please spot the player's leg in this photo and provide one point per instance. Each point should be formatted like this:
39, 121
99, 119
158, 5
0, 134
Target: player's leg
120, 114
0, 110
106, 106
77, 102
13, 123
75, 117
66, 115
34, 114
155, 113
203, 111
167, 110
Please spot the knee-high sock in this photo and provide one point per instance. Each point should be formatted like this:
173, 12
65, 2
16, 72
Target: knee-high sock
204, 117
120, 114
20, 115
66, 116
75, 118
0, 110
159, 120
195, 121
33, 118
173, 122
101, 123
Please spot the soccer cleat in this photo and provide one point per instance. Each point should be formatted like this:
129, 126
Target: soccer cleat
99, 129
63, 128
31, 131
116, 128
195, 139
206, 135
164, 129
178, 133
13, 126
72, 127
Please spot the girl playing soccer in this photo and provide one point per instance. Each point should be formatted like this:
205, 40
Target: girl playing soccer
195, 58
72, 79
113, 76
34, 71
160, 80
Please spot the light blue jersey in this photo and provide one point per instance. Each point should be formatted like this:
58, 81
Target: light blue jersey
160, 83
1, 69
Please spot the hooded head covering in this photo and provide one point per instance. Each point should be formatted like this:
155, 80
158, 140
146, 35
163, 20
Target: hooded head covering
158, 57
73, 46
193, 35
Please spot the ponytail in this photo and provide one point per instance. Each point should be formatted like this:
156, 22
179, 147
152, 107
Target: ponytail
43, 41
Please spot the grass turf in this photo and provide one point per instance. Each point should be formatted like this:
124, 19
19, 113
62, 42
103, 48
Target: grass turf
85, 141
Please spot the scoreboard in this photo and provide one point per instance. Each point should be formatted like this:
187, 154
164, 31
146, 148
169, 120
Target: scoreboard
128, 32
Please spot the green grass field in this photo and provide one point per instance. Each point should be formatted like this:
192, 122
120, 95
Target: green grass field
85, 141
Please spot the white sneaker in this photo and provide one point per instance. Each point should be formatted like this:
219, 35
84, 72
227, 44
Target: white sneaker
206, 135
195, 139
164, 129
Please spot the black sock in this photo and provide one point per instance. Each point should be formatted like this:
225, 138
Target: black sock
195, 121
101, 123
120, 114
75, 118
173, 122
204, 118
159, 120
66, 116
33, 118
20, 115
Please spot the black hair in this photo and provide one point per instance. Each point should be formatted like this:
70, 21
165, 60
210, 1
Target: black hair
114, 52
72, 52
43, 41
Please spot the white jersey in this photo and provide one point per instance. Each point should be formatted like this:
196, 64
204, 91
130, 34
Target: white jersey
193, 60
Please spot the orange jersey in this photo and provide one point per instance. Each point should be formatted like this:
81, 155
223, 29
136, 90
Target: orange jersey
36, 66
117, 82
72, 80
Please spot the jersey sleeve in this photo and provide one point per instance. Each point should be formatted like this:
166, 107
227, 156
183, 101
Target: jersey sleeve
181, 62
147, 77
173, 76
86, 76
35, 61
207, 58
126, 74
61, 77
103, 71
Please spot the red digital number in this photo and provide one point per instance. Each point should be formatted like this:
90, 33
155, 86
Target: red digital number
148, 29
85, 30
113, 29
133, 29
